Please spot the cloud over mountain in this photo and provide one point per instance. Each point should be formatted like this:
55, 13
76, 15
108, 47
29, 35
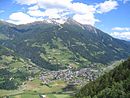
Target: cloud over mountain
81, 12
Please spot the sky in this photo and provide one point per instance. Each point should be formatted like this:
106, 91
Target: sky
110, 16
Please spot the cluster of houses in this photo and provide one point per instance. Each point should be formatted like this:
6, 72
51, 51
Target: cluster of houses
70, 76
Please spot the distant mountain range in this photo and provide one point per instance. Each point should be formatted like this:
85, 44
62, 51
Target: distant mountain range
52, 45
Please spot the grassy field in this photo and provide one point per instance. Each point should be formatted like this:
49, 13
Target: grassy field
34, 95
58, 96
26, 95
32, 89
10, 92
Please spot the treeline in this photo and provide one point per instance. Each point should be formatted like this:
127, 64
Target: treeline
115, 84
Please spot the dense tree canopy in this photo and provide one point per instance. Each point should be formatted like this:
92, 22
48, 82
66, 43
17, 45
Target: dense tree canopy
115, 84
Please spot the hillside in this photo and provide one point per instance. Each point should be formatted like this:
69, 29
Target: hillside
115, 84
14, 70
54, 59
54, 46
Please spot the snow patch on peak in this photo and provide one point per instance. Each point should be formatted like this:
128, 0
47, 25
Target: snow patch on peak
55, 21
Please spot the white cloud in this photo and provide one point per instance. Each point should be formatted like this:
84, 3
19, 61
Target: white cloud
36, 13
35, 7
61, 9
107, 6
26, 2
86, 12
121, 28
81, 12
54, 3
121, 35
53, 13
85, 19
81, 8
46, 3
50, 13
21, 18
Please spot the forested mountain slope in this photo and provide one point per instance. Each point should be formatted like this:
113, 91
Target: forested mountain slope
54, 46
115, 84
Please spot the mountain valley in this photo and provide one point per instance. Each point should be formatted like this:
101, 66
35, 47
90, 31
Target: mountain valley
53, 59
